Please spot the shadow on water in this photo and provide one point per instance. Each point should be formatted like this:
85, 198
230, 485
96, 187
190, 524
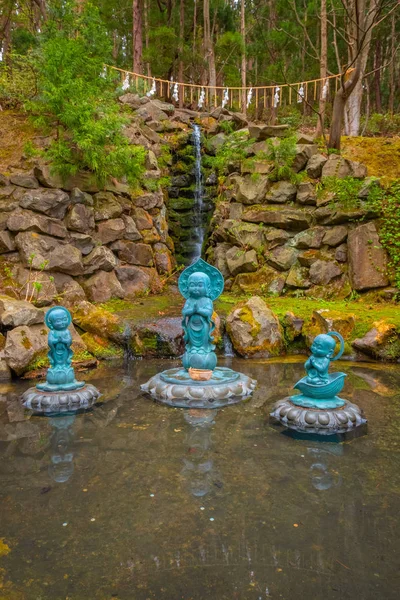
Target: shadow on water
134, 500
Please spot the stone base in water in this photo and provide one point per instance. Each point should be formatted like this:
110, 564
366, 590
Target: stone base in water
62, 401
176, 388
328, 421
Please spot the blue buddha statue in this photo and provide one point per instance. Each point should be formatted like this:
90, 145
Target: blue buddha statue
200, 284
60, 375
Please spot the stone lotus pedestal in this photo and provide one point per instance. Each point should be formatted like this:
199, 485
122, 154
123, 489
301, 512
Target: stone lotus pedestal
184, 387
318, 409
61, 392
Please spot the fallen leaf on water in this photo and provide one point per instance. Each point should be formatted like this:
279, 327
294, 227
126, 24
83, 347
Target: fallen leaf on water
177, 430
295, 524
4, 549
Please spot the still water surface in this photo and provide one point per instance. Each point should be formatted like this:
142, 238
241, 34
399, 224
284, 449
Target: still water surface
137, 501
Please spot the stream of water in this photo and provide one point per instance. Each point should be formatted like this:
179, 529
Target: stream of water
137, 501
199, 227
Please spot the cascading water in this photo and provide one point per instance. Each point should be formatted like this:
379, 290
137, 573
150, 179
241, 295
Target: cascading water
199, 226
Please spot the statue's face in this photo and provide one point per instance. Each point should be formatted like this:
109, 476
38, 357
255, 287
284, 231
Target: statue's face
197, 287
59, 320
323, 345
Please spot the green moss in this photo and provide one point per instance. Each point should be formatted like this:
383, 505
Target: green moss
101, 348
247, 317
27, 344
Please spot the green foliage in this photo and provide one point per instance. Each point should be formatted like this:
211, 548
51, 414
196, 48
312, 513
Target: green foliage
282, 154
381, 124
18, 80
227, 127
388, 203
343, 191
76, 100
231, 152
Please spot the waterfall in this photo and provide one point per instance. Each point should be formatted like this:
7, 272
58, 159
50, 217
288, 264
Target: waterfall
228, 348
199, 227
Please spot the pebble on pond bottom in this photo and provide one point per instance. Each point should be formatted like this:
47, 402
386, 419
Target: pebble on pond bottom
65, 524
211, 518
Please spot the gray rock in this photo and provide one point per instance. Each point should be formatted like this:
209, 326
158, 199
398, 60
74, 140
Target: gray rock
302, 138
132, 100
48, 252
135, 254
281, 192
216, 142
131, 231
79, 197
53, 203
219, 258
306, 194
80, 218
378, 341
111, 230
134, 280
255, 330
162, 258
332, 216
23, 345
335, 236
106, 206
298, 277
337, 166
240, 261
42, 294
149, 200
341, 253
322, 272
142, 219
289, 219
262, 132
310, 238
250, 190
101, 258
7, 243
368, 185
151, 161
25, 180
275, 237
367, 258
27, 220
315, 165
14, 313
69, 290
5, 371
84, 243
303, 153
282, 258
102, 286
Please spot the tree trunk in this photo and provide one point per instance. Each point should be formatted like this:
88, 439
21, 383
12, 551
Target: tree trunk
243, 64
137, 36
377, 76
146, 31
339, 105
323, 69
181, 43
392, 65
209, 50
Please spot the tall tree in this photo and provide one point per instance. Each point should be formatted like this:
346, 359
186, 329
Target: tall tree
137, 36
243, 68
209, 55
323, 69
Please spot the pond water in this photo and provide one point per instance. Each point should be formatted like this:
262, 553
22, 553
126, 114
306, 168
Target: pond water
136, 501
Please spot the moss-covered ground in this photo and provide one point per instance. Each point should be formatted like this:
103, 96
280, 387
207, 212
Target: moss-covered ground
380, 155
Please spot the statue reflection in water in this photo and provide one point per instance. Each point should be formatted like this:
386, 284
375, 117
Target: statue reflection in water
324, 475
198, 469
61, 467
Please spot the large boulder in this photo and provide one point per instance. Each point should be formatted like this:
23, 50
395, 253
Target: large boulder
323, 271
337, 166
80, 218
68, 290
281, 192
262, 132
310, 238
25, 180
367, 258
44, 252
149, 200
298, 277
315, 165
14, 313
106, 206
99, 321
254, 329
382, 341
53, 203
326, 215
134, 253
325, 320
335, 236
38, 286
306, 194
289, 219
27, 220
162, 258
131, 231
134, 280
100, 259
266, 280
250, 190
102, 286
303, 153
112, 230
241, 261
282, 258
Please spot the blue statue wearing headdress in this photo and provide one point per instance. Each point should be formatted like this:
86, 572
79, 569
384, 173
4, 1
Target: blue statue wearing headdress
200, 284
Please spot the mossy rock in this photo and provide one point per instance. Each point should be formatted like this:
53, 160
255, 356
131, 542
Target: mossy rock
181, 203
101, 347
98, 321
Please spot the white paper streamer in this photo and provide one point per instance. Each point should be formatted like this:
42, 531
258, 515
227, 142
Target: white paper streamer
225, 98
201, 98
325, 90
153, 89
249, 97
276, 96
125, 84
175, 94
300, 94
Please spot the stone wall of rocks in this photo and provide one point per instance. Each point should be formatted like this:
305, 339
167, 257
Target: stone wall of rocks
284, 238
80, 243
